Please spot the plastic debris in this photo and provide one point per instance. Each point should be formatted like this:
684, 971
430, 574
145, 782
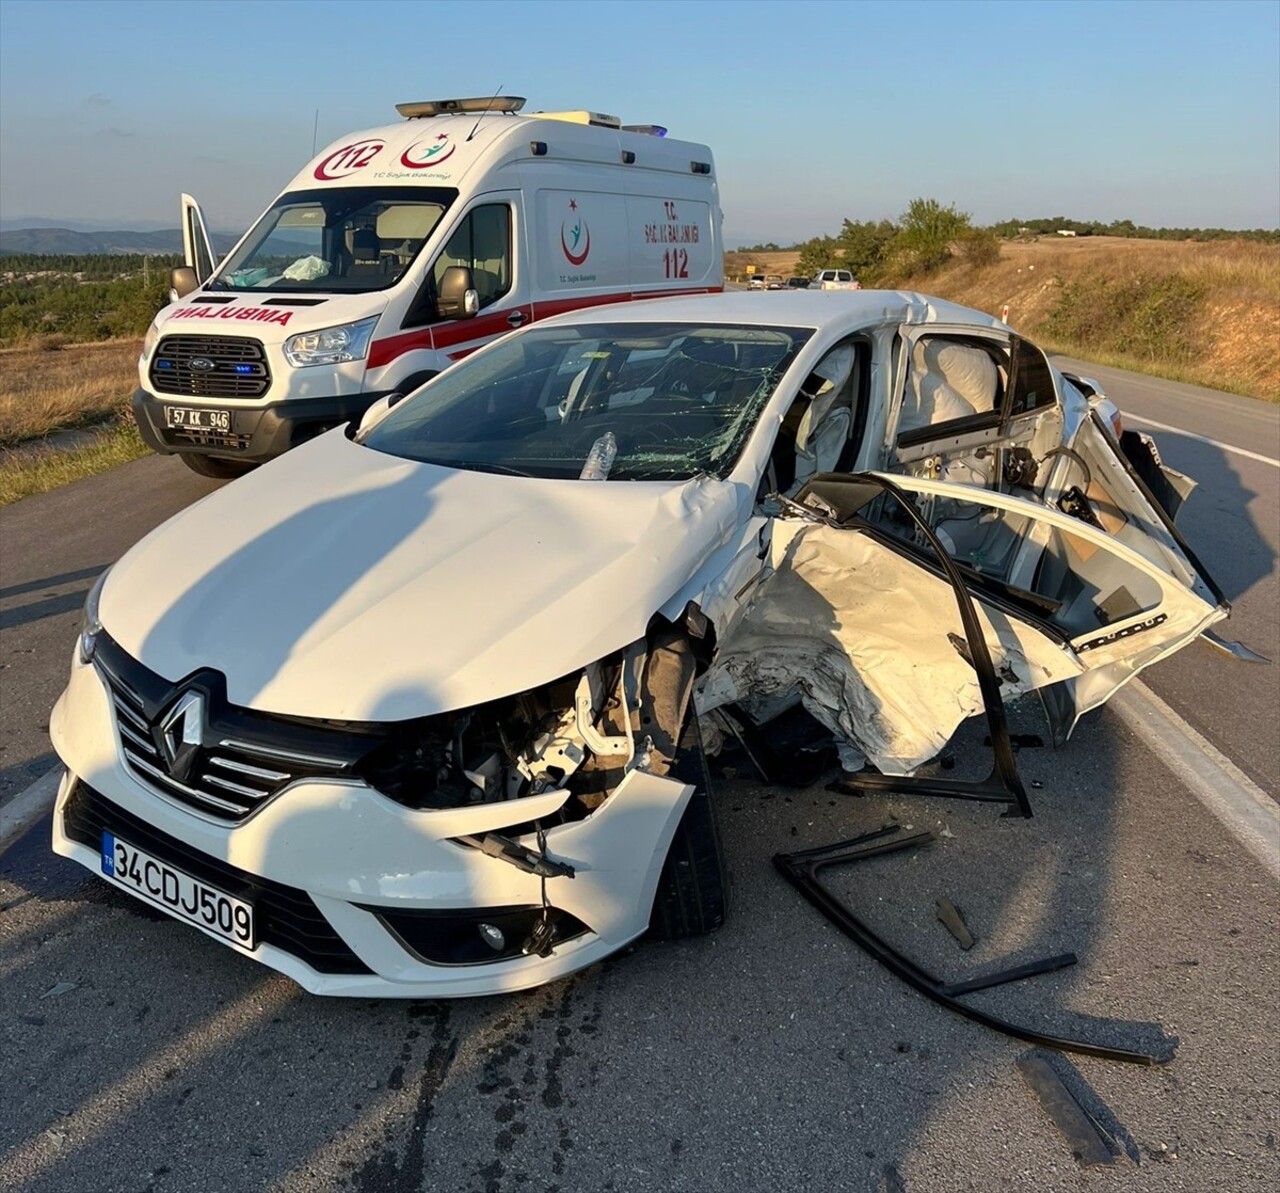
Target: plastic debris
59, 989
954, 923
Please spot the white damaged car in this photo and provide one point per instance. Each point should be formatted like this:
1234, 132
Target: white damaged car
421, 709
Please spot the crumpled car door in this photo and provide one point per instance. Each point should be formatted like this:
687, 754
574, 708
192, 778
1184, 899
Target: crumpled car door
855, 617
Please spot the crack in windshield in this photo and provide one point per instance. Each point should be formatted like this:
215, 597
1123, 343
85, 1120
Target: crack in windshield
678, 399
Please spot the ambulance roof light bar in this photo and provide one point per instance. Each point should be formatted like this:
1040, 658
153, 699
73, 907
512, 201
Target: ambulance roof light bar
448, 107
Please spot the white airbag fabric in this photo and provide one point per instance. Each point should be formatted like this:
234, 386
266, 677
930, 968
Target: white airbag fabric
861, 634
948, 381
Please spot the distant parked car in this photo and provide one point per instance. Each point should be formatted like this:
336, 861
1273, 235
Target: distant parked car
797, 283
755, 282
836, 279
773, 282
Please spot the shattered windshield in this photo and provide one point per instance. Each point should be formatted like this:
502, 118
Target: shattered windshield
343, 239
623, 401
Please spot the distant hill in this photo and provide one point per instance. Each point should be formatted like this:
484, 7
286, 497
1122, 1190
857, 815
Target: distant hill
64, 240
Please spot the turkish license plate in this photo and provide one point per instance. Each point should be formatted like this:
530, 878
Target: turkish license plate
176, 892
193, 418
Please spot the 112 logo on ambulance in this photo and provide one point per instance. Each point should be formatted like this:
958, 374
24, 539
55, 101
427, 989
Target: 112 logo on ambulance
346, 161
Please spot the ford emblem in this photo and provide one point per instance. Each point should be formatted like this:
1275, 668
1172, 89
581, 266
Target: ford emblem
201, 363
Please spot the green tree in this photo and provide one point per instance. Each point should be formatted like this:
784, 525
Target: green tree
924, 240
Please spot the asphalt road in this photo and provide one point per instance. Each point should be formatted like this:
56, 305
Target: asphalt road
1233, 523
138, 1055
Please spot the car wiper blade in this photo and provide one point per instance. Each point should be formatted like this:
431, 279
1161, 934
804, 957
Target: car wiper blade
483, 466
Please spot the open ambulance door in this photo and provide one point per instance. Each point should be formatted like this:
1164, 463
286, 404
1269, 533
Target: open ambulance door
859, 614
197, 249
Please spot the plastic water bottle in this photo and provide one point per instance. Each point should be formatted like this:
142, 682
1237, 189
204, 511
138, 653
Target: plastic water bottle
600, 458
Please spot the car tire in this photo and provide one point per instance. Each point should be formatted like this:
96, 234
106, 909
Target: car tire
221, 470
693, 889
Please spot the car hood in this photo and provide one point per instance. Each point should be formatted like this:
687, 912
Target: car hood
343, 583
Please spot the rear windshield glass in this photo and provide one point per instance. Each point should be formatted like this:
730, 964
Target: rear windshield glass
644, 401
343, 239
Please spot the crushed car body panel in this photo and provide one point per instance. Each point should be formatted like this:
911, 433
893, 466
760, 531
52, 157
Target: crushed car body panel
870, 639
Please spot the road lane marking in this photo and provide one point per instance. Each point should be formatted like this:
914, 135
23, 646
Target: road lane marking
1237, 801
1226, 447
21, 812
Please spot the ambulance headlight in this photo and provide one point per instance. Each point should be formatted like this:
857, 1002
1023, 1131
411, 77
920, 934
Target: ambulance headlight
330, 345
149, 340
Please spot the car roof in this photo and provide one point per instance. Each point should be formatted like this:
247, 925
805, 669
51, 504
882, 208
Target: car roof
819, 309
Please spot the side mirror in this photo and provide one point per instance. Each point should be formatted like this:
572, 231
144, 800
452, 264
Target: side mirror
183, 280
458, 298
375, 414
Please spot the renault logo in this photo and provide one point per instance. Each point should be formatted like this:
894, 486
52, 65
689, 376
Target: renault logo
201, 364
181, 733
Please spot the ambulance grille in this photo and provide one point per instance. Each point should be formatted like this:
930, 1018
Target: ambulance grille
210, 367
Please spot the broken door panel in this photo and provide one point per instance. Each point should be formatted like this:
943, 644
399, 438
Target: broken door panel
872, 644
856, 616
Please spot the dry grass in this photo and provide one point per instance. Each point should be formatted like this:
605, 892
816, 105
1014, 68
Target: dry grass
783, 264
43, 391
31, 470
1229, 342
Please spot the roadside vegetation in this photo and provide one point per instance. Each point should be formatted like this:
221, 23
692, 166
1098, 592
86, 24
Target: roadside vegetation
39, 468
91, 297
1196, 305
64, 413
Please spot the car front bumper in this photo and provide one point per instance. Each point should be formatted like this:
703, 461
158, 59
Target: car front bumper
345, 857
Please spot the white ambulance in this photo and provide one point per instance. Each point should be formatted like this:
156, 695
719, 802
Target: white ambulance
399, 250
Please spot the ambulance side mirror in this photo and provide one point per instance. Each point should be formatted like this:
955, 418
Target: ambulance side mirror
183, 280
458, 298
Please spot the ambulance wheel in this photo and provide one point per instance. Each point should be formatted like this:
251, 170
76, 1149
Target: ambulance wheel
693, 888
220, 470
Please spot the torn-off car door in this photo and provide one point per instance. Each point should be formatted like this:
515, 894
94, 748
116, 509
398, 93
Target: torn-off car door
855, 616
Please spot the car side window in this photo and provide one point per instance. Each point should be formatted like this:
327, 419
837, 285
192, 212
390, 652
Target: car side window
1031, 379
818, 430
482, 242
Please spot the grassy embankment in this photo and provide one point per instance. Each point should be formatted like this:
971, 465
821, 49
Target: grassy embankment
1206, 313
43, 393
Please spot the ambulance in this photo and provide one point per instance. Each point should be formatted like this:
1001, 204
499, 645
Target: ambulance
399, 250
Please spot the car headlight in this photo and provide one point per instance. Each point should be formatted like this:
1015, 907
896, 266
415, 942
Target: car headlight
91, 626
330, 345
149, 340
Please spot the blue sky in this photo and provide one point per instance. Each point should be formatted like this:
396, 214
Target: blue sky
1161, 112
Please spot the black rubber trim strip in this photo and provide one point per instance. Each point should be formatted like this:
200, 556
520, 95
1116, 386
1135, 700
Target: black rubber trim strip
1003, 785
803, 870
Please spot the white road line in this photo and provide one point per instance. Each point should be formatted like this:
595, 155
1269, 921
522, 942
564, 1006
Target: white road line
1240, 804
21, 812
1226, 447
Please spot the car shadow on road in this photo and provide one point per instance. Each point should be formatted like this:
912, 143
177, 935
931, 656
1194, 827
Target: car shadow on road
1217, 519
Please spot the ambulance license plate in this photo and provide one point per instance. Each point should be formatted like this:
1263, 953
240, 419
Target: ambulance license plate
176, 892
191, 418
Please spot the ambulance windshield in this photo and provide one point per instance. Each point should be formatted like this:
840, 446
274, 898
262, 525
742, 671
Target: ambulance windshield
337, 240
